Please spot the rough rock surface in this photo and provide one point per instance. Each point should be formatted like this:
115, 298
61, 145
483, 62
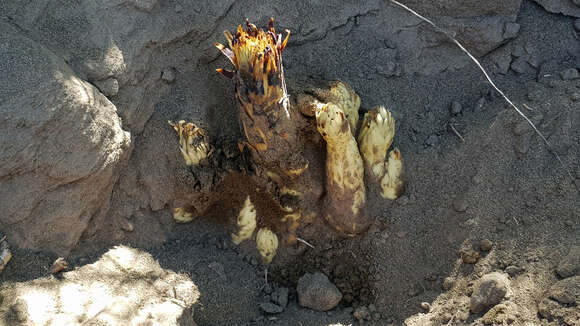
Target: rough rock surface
489, 291
61, 146
316, 292
124, 287
480, 36
561, 302
570, 265
566, 7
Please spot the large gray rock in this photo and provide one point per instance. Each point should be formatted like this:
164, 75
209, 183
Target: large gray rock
489, 291
316, 292
124, 287
61, 143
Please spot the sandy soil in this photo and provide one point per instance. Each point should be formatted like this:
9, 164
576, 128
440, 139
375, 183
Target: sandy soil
474, 174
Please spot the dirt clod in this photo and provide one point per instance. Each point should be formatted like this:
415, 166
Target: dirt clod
361, 313
485, 245
469, 256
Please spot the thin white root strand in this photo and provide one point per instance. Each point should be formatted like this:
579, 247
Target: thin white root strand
490, 81
305, 242
457, 133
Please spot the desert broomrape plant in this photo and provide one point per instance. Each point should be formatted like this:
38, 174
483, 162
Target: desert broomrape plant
265, 115
345, 198
193, 142
267, 243
246, 222
272, 135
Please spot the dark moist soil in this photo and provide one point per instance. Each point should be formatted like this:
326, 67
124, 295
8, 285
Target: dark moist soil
498, 183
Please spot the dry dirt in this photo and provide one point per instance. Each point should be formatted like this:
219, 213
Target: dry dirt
472, 174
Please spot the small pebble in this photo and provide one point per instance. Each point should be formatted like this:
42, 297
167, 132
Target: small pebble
425, 306
432, 277
168, 76
513, 270
218, 269
570, 74
575, 96
361, 313
520, 65
146, 5
109, 87
270, 308
126, 225
534, 61
535, 95
456, 108
253, 261
518, 51
348, 298
448, 283
480, 105
511, 30
469, 256
267, 289
59, 265
521, 128
485, 245
432, 140
460, 204
280, 297
404, 200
